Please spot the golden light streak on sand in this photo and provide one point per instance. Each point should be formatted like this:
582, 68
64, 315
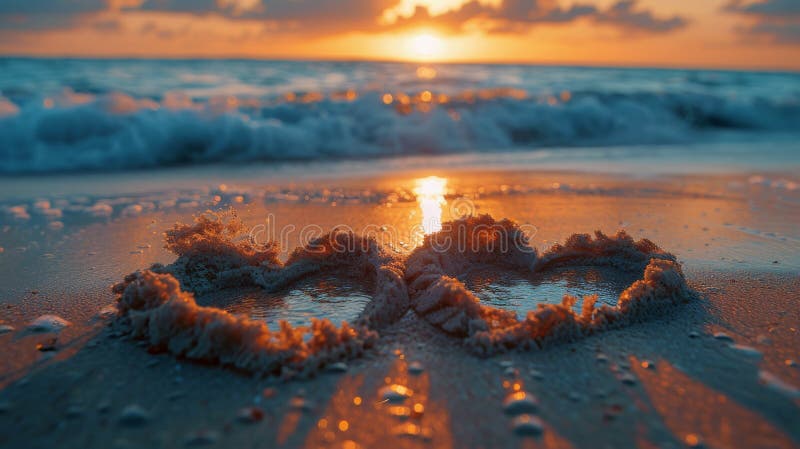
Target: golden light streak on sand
371, 421
695, 412
549, 439
430, 196
288, 425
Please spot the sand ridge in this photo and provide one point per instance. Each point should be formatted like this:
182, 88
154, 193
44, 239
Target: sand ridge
158, 304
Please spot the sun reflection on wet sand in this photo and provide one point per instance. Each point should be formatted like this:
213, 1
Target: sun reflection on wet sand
430, 196
694, 412
359, 414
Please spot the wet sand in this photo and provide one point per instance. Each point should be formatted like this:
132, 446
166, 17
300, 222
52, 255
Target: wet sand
674, 381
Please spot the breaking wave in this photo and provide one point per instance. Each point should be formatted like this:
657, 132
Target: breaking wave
158, 305
83, 131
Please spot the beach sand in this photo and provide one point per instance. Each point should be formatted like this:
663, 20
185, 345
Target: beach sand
720, 371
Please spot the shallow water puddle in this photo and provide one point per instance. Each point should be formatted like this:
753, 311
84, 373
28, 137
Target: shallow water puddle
337, 296
520, 292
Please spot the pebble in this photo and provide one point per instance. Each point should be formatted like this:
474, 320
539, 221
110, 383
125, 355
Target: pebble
415, 368
133, 415
693, 440
601, 358
413, 430
47, 345
104, 406
536, 374
400, 411
627, 379
201, 438
694, 334
151, 363
417, 410
520, 402
395, 393
107, 312
300, 403
48, 323
722, 336
775, 383
338, 367
527, 425
269, 392
249, 415
763, 340
611, 412
5, 328
647, 364
747, 350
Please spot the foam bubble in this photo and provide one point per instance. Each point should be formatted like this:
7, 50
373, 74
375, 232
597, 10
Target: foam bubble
48, 323
113, 130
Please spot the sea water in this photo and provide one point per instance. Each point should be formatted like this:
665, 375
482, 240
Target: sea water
117, 114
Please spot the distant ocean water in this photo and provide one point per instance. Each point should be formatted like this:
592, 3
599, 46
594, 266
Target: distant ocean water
71, 115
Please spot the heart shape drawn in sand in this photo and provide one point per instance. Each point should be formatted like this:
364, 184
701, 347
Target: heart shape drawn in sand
447, 303
158, 304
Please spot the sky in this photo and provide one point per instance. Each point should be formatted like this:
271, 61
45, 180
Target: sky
752, 34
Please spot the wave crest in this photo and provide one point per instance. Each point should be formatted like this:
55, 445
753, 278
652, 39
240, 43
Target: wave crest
116, 131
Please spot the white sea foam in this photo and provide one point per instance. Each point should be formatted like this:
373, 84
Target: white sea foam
114, 130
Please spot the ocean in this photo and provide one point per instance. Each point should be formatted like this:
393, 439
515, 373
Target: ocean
63, 115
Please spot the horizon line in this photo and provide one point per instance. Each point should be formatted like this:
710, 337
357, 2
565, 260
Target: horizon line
357, 59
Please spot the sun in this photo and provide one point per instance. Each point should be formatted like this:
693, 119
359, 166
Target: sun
424, 46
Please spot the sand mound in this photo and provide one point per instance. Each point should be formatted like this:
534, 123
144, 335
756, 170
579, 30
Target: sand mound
158, 305
216, 253
448, 304
155, 309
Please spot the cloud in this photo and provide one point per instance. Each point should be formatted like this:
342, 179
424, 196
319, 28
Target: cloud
771, 8
45, 14
787, 32
624, 14
321, 15
337, 16
509, 16
776, 21
520, 15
